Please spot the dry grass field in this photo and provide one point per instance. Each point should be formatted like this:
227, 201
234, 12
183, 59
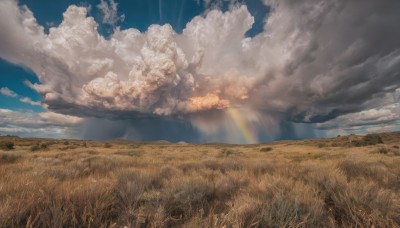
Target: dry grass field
349, 181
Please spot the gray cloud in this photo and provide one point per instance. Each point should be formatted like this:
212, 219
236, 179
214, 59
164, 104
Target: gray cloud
337, 61
45, 124
389, 114
147, 129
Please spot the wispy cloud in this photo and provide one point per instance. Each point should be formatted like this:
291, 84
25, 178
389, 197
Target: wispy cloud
7, 92
109, 8
27, 100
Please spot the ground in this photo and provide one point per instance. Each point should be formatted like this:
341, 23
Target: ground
339, 182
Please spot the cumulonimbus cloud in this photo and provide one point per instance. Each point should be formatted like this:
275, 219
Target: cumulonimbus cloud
314, 61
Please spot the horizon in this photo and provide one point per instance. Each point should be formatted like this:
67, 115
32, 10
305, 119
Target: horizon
161, 141
199, 71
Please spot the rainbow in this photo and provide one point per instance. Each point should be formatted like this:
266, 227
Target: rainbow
242, 125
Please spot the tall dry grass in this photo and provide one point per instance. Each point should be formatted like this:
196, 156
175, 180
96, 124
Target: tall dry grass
294, 184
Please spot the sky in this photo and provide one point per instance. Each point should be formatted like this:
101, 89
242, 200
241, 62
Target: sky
199, 71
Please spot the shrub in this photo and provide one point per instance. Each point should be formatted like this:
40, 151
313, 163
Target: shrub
266, 149
225, 152
66, 143
382, 150
359, 169
368, 140
107, 145
131, 153
8, 158
43, 146
396, 147
186, 196
6, 145
35, 147
68, 147
372, 139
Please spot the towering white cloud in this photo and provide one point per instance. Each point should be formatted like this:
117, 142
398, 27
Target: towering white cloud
314, 61
156, 72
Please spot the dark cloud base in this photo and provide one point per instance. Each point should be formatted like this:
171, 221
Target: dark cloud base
149, 129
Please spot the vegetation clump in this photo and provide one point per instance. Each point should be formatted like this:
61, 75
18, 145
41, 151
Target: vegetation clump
225, 152
8, 158
6, 145
368, 140
35, 147
266, 149
382, 150
42, 146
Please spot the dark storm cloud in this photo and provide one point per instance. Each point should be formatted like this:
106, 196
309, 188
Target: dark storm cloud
147, 129
345, 55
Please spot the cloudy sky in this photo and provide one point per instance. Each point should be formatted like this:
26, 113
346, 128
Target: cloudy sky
199, 70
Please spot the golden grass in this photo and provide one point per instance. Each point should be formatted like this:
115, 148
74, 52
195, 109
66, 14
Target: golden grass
71, 183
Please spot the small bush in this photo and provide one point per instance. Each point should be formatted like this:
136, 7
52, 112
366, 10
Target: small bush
68, 147
354, 170
6, 145
107, 145
266, 149
35, 147
368, 140
66, 143
396, 147
131, 153
43, 146
8, 158
372, 139
335, 145
382, 150
225, 152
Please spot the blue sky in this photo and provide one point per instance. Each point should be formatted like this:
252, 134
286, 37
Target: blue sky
140, 14
198, 70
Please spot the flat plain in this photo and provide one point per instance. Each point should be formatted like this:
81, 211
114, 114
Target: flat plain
347, 181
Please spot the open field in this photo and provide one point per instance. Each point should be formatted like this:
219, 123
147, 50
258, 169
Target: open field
340, 182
